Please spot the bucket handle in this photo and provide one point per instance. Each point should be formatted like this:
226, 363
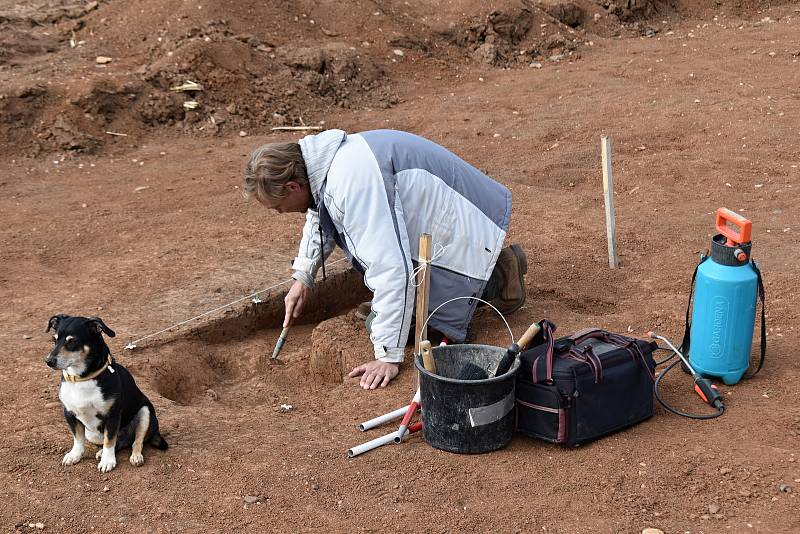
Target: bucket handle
425, 324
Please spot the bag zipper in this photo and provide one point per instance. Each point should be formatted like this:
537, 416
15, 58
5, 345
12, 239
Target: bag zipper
562, 413
538, 407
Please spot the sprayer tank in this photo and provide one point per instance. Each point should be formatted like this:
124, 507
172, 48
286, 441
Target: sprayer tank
724, 314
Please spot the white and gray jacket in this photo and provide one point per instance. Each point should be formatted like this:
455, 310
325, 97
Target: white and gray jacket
376, 192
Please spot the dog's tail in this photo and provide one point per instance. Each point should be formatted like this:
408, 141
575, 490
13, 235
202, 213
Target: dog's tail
159, 442
156, 439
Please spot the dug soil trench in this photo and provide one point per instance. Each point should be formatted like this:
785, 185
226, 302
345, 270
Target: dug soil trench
323, 342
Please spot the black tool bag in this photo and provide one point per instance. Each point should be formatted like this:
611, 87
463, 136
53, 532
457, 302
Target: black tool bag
577, 388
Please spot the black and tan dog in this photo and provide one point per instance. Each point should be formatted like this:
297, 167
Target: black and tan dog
101, 400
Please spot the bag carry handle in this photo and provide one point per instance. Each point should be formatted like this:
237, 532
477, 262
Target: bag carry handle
587, 356
629, 344
542, 368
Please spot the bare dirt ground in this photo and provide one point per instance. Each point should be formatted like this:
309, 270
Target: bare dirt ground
147, 229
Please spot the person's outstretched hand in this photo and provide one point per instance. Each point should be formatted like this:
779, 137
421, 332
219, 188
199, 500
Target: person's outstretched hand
375, 373
295, 300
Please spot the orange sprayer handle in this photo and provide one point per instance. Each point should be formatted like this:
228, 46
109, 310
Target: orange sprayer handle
725, 216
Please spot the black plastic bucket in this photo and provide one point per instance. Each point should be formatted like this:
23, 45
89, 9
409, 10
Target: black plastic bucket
467, 416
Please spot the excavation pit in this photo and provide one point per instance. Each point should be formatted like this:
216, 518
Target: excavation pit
195, 366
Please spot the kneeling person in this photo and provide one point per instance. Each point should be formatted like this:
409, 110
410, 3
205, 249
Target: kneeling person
373, 194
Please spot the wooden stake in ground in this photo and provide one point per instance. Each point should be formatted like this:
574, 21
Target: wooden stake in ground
608, 194
423, 287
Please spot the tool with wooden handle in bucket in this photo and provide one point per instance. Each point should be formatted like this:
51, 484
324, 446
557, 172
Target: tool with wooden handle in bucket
473, 371
469, 416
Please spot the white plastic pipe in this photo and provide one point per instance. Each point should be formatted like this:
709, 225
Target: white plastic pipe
374, 444
391, 416
383, 440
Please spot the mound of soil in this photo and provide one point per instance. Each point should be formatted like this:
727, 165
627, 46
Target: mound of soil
45, 12
495, 40
257, 66
16, 44
250, 83
337, 346
631, 10
246, 82
261, 65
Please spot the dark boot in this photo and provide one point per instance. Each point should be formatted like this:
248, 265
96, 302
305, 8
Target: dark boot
506, 287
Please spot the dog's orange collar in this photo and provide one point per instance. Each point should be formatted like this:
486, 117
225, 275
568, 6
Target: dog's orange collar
72, 378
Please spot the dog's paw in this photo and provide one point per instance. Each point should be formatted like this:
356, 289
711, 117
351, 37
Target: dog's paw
98, 454
71, 458
107, 464
137, 459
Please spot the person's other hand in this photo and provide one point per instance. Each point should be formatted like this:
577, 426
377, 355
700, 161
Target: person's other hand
375, 373
294, 301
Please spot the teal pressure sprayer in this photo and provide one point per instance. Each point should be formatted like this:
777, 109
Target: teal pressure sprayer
719, 338
728, 283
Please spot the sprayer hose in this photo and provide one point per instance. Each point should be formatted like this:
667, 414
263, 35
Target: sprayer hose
657, 383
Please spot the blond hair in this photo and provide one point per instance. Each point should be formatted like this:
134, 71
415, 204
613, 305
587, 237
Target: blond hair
270, 167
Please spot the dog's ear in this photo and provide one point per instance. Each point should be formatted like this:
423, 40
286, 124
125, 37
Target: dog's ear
97, 325
54, 320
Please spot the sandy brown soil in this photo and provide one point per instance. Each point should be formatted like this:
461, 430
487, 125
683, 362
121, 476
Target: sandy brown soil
148, 229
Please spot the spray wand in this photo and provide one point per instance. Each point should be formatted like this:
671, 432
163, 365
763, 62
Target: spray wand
702, 386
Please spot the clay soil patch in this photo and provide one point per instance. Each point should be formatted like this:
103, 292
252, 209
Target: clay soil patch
148, 228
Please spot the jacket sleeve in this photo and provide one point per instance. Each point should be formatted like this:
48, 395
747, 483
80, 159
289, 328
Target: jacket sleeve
375, 233
308, 258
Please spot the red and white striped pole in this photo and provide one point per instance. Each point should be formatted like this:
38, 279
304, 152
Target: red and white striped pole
412, 408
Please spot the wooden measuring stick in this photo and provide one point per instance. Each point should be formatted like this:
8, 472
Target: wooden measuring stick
608, 194
423, 288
